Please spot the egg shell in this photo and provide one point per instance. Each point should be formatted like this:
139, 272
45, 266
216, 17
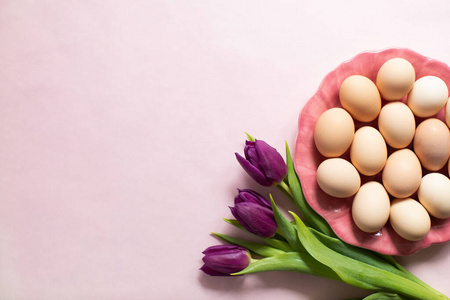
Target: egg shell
434, 195
360, 97
368, 152
395, 78
432, 144
402, 173
333, 132
338, 178
428, 96
370, 207
447, 113
409, 219
397, 124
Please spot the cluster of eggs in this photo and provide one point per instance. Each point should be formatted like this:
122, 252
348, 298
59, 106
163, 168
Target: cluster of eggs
401, 148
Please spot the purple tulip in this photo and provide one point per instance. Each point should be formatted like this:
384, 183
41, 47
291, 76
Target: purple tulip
263, 163
255, 214
223, 260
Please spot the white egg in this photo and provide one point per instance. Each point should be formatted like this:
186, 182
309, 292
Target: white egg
434, 194
370, 208
402, 173
428, 96
338, 178
333, 132
395, 78
360, 97
447, 113
368, 152
432, 144
397, 124
409, 219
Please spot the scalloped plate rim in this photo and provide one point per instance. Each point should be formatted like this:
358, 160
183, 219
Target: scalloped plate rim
434, 237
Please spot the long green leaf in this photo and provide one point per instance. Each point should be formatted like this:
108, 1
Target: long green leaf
286, 229
257, 248
276, 243
310, 216
360, 254
384, 296
406, 273
381, 296
360, 274
291, 261
385, 262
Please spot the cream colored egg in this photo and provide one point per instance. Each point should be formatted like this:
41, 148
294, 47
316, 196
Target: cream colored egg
428, 96
334, 132
360, 97
434, 195
395, 78
409, 219
371, 206
402, 173
397, 124
338, 178
432, 144
447, 113
368, 152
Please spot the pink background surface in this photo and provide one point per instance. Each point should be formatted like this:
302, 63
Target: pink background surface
119, 123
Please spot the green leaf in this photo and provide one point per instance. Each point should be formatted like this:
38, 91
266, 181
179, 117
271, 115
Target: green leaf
276, 243
257, 248
286, 229
360, 254
384, 296
406, 273
381, 296
291, 261
235, 223
378, 260
310, 216
360, 274
250, 138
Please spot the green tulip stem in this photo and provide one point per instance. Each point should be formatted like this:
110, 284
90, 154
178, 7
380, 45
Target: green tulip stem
285, 188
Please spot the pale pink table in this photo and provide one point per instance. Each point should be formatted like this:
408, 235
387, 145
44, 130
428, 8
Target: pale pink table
119, 123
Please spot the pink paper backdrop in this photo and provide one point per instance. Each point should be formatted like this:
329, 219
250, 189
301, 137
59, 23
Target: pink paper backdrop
119, 123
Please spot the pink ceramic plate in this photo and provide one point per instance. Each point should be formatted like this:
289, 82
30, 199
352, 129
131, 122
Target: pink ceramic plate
338, 211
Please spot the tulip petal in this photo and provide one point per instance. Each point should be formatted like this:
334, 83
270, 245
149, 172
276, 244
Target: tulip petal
270, 161
225, 259
250, 153
239, 219
253, 171
221, 248
247, 195
211, 272
257, 219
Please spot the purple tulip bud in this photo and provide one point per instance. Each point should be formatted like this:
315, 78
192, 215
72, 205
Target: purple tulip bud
263, 163
247, 195
255, 214
223, 260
